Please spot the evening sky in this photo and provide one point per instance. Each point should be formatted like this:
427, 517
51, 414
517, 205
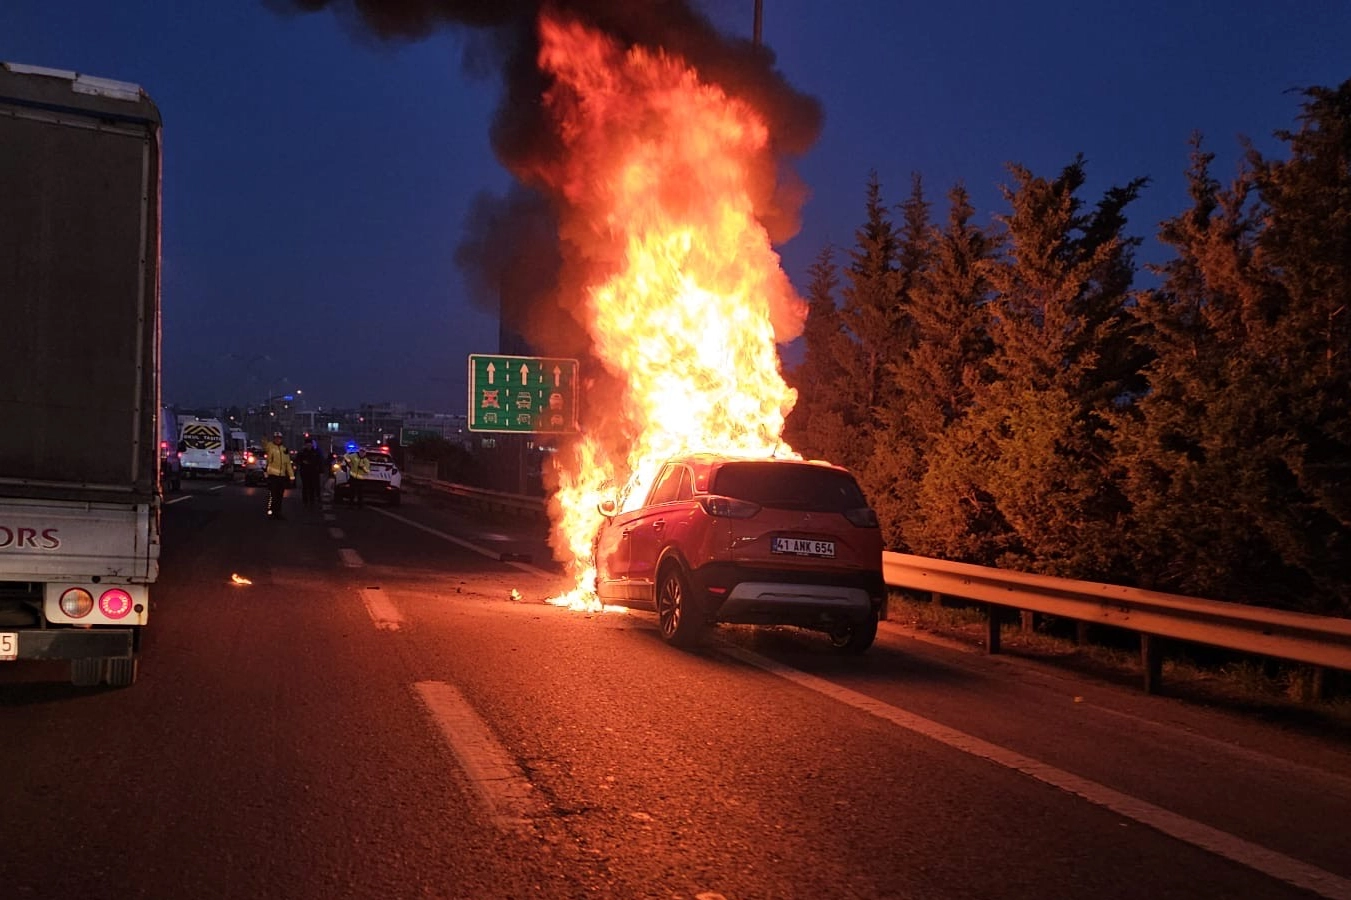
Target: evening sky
317, 179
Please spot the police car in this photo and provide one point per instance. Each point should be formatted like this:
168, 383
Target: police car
385, 482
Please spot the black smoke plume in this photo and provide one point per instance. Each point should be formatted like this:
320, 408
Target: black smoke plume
504, 38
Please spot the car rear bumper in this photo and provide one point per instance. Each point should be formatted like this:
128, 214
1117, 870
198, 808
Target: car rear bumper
768, 603
790, 597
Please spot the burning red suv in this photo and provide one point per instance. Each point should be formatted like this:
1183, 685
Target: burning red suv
747, 541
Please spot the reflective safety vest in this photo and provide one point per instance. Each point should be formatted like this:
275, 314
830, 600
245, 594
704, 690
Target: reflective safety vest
278, 461
359, 466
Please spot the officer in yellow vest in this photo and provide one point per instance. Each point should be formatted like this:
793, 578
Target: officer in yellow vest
279, 473
358, 470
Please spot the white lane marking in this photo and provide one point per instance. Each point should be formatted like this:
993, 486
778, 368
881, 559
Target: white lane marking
351, 558
178, 499
1221, 843
330, 517
491, 554
496, 779
219, 487
383, 612
336, 533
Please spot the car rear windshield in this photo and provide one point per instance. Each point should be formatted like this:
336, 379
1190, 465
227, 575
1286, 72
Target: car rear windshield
788, 486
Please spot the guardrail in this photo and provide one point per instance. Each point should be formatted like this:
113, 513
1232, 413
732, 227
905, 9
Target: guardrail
489, 501
1320, 641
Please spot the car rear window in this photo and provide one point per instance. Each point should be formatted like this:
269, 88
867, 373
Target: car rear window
788, 486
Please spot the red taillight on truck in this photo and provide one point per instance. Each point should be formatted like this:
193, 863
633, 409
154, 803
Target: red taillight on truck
115, 603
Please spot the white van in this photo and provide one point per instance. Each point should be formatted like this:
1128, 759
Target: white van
239, 449
203, 446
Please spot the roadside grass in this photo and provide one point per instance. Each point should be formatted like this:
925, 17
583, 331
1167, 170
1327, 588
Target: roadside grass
1286, 693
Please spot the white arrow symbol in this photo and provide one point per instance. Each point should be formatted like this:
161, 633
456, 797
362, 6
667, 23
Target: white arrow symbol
558, 375
492, 367
525, 374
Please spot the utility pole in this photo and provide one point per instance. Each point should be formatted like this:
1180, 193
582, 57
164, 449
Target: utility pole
759, 20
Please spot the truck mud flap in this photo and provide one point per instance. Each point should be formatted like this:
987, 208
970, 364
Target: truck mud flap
77, 643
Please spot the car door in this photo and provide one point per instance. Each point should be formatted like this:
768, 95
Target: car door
652, 528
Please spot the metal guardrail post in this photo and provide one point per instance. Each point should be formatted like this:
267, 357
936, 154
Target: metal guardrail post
1151, 660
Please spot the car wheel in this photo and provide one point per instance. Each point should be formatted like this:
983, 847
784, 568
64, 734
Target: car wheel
856, 637
678, 612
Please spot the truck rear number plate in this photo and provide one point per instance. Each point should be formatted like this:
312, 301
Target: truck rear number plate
800, 547
9, 645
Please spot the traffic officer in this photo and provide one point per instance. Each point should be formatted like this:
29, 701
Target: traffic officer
279, 473
358, 470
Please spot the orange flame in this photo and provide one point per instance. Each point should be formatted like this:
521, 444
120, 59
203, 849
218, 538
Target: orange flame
661, 176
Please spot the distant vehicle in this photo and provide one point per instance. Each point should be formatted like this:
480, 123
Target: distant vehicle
255, 464
747, 541
80, 461
384, 483
239, 448
203, 446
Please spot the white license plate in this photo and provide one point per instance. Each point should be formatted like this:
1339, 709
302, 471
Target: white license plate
9, 645
800, 547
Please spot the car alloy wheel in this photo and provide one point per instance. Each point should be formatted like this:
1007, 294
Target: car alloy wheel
676, 611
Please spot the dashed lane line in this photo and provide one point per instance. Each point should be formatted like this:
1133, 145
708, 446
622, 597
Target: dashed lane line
179, 499
350, 558
384, 613
336, 533
495, 778
485, 551
1254, 856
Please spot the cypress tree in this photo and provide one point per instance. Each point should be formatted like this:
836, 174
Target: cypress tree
869, 313
934, 381
1238, 457
814, 428
1029, 459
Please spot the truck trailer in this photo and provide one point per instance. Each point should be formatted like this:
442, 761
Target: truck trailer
80, 494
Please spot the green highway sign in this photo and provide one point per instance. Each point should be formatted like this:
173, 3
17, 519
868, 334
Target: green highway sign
522, 394
408, 435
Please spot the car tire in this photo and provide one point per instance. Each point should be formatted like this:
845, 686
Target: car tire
857, 637
679, 617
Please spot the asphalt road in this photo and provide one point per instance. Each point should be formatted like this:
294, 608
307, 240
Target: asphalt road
376, 716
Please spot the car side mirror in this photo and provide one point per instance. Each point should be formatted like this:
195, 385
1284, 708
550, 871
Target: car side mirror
608, 508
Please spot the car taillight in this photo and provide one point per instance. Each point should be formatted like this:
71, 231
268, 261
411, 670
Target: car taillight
863, 518
728, 507
76, 603
224, 457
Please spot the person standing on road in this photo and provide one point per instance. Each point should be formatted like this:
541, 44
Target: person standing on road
279, 472
358, 470
310, 462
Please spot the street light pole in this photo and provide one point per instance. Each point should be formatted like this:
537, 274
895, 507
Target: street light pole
759, 20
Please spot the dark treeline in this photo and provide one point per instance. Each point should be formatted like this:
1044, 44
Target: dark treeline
1009, 397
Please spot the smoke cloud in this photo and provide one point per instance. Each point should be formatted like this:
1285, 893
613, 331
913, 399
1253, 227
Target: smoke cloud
508, 261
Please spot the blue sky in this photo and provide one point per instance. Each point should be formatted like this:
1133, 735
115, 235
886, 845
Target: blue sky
316, 179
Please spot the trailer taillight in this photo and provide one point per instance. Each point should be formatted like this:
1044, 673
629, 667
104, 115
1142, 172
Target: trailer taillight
115, 603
